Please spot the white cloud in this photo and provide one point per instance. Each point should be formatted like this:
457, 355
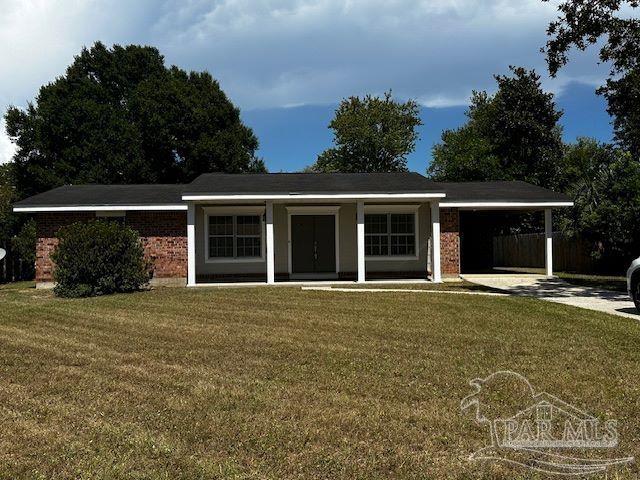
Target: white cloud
280, 52
7, 148
270, 53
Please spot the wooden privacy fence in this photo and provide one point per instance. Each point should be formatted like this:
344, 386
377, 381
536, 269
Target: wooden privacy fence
13, 268
527, 250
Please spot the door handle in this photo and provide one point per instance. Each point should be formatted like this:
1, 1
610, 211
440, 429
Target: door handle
315, 250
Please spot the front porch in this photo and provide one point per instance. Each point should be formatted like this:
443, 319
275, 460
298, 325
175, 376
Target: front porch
289, 241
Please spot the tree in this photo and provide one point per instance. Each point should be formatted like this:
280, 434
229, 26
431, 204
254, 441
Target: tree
120, 116
7, 197
583, 23
623, 104
17, 233
604, 183
371, 134
512, 135
98, 258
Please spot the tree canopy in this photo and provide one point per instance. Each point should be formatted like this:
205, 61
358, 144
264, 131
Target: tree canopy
371, 134
512, 135
607, 23
119, 115
604, 183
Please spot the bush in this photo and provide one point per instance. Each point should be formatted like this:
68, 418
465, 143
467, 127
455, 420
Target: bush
98, 258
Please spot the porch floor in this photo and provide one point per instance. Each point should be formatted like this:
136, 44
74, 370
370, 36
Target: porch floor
315, 283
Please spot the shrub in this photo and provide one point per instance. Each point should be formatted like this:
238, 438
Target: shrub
98, 258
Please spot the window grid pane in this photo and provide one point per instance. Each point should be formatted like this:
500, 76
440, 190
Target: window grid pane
248, 246
390, 234
403, 245
376, 245
220, 236
375, 224
248, 237
402, 223
248, 225
220, 247
221, 225
235, 236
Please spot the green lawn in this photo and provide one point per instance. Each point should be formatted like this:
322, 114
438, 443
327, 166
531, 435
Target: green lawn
616, 283
608, 282
283, 383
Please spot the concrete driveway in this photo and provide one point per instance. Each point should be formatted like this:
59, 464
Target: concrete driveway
559, 291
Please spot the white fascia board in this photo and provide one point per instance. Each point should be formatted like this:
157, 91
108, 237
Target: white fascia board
319, 196
506, 204
101, 208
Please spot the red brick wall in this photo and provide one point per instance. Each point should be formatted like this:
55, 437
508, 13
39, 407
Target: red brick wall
47, 224
450, 241
163, 235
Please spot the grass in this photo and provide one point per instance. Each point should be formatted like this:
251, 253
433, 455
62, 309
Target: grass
607, 282
283, 383
616, 283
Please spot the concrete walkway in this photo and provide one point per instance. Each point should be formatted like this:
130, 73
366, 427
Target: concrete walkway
401, 290
559, 291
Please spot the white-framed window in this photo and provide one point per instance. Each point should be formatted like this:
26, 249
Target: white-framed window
234, 235
391, 234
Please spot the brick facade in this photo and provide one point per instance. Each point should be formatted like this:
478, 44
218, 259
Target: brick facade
164, 238
163, 235
450, 241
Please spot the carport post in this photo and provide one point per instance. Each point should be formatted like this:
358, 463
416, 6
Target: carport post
271, 276
548, 242
360, 242
191, 244
436, 275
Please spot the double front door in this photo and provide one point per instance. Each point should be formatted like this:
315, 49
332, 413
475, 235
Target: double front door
313, 244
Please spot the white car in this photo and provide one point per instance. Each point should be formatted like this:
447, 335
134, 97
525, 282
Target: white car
633, 282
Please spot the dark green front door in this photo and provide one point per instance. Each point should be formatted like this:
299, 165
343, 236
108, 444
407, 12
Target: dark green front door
313, 244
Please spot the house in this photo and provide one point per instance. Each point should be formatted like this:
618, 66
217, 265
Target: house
291, 226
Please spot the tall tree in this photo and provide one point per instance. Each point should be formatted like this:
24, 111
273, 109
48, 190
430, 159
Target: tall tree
512, 135
583, 23
604, 183
119, 115
371, 134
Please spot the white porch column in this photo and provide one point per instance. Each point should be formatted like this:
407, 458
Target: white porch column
436, 275
548, 242
271, 276
191, 244
360, 235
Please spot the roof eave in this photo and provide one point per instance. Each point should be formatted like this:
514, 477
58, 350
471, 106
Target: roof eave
96, 208
507, 204
311, 196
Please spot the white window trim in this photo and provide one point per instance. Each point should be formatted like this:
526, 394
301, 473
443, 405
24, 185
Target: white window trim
314, 210
386, 209
234, 211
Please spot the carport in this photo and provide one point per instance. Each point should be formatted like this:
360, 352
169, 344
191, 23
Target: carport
479, 230
484, 209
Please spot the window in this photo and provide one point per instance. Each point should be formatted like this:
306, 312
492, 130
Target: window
389, 234
108, 216
235, 236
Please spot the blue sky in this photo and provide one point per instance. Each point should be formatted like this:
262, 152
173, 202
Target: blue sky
287, 63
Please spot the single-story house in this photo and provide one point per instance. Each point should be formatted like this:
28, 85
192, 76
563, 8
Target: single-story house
290, 226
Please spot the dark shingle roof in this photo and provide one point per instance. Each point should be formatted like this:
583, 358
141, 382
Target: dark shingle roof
285, 183
514, 191
106, 195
